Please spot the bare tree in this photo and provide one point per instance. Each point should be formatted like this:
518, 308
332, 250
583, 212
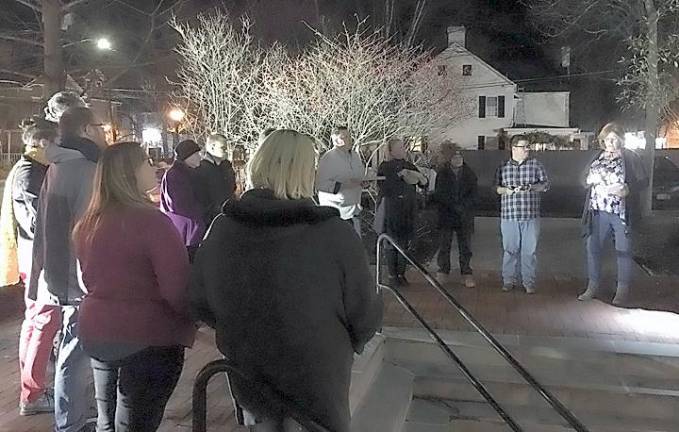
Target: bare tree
358, 78
49, 37
220, 77
648, 27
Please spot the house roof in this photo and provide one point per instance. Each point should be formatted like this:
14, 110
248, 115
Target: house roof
457, 48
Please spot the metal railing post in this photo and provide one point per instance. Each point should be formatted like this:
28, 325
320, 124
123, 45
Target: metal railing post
564, 412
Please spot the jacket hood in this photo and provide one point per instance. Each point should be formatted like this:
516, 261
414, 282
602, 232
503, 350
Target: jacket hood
73, 148
261, 207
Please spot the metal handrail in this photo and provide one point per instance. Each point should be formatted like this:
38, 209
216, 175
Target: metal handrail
274, 396
564, 412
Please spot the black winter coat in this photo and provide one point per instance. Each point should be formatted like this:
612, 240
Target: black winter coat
217, 185
287, 287
28, 179
456, 197
400, 198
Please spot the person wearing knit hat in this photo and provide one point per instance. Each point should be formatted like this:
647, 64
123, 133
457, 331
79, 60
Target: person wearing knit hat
60, 102
180, 197
186, 149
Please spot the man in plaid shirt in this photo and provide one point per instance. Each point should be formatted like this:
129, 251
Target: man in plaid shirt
520, 181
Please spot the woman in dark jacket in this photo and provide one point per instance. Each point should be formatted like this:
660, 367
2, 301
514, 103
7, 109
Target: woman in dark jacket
286, 284
613, 181
398, 199
455, 194
180, 195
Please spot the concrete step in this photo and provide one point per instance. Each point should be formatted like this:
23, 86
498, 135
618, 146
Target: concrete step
385, 406
444, 411
603, 370
582, 402
365, 369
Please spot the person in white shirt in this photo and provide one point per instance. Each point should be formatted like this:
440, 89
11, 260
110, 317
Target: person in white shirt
341, 174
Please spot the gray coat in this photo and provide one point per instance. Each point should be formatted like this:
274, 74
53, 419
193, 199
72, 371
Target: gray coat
287, 286
65, 194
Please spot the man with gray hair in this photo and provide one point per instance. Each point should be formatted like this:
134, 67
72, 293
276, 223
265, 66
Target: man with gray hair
60, 102
217, 177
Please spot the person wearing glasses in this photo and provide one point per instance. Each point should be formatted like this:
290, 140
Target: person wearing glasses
613, 181
55, 277
520, 182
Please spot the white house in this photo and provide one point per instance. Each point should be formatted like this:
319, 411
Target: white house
498, 105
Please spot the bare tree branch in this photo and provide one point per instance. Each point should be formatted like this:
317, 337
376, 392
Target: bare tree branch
31, 4
20, 39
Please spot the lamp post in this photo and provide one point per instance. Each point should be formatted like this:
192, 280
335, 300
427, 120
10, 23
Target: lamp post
176, 115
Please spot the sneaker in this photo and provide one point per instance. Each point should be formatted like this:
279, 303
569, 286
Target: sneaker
468, 281
507, 287
530, 289
43, 404
620, 296
589, 293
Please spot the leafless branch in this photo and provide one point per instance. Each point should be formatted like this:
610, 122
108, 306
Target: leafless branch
31, 4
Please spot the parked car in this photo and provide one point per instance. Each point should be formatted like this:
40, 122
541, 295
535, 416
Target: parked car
665, 184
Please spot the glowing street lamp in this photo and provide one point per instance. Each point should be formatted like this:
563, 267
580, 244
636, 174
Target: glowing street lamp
176, 115
104, 44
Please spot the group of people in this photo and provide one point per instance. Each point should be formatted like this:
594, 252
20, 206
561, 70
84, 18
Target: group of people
284, 281
613, 182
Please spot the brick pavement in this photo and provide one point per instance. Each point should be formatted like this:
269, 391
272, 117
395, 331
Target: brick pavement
552, 311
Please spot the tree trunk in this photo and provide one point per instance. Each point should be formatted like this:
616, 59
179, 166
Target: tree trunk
652, 109
416, 22
55, 77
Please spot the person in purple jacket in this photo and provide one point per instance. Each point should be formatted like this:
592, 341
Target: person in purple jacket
180, 198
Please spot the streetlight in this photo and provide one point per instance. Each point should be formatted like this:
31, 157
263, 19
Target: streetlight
176, 115
104, 44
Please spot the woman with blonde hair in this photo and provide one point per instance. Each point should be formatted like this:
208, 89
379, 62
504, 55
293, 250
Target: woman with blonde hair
613, 181
134, 321
286, 284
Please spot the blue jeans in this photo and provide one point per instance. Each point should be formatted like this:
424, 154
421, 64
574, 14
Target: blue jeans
603, 225
520, 242
72, 393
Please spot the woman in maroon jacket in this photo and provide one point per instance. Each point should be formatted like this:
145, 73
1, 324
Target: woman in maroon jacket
134, 320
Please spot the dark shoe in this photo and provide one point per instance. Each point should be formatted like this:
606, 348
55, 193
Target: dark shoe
403, 281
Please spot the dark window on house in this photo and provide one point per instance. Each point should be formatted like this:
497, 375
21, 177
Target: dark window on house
491, 106
466, 70
481, 142
441, 70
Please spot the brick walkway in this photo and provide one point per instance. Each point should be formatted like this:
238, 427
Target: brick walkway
553, 311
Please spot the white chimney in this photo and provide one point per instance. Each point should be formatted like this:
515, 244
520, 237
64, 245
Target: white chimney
457, 35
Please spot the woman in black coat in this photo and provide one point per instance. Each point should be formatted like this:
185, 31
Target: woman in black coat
398, 201
286, 285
